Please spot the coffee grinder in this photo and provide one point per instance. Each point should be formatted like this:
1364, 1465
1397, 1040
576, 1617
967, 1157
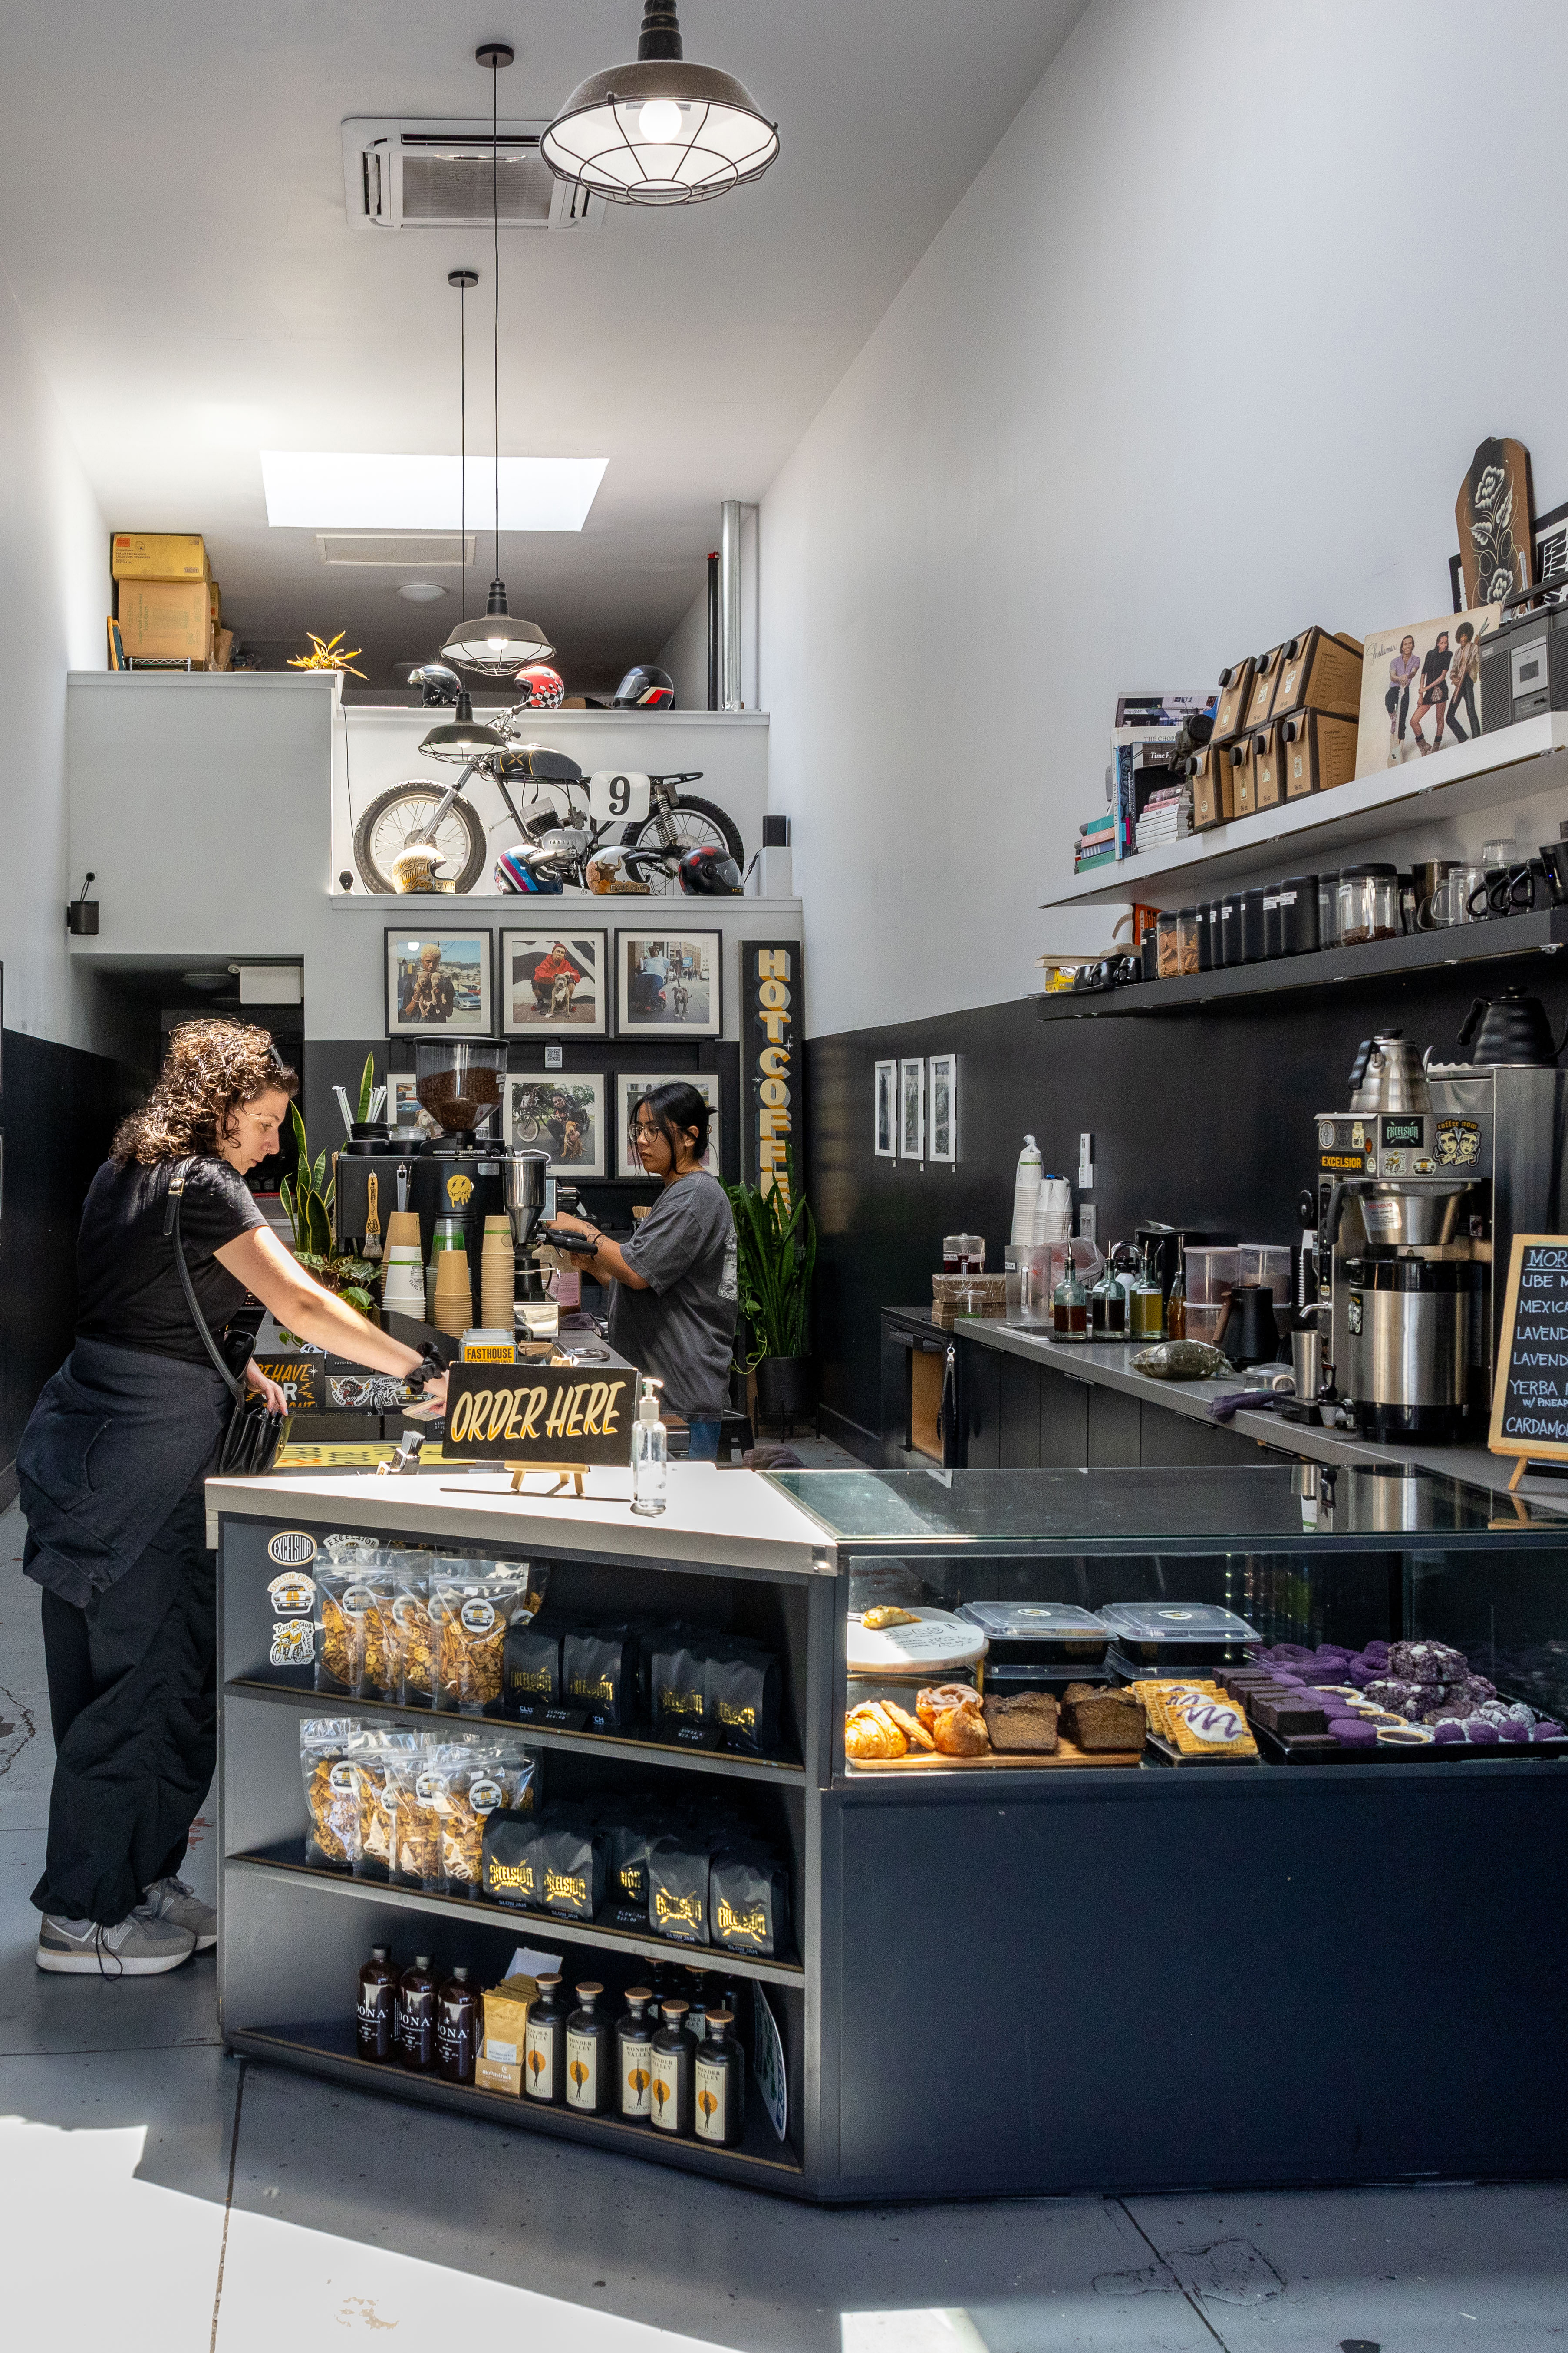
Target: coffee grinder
455, 1179
523, 1188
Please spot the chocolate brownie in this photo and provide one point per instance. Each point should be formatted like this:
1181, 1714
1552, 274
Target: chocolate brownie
1023, 1721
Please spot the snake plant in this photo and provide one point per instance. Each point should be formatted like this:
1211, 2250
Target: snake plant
775, 1239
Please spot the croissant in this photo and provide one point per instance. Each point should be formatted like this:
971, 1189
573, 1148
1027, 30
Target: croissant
937, 1696
960, 1731
870, 1731
913, 1730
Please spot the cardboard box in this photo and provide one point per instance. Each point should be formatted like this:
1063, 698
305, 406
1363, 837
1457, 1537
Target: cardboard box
214, 605
1236, 686
223, 650
1320, 671
165, 620
498, 2067
1265, 686
1243, 777
158, 555
1268, 765
1319, 752
1211, 773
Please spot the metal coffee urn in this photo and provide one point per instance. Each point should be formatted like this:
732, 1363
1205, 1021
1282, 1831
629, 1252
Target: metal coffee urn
1421, 1187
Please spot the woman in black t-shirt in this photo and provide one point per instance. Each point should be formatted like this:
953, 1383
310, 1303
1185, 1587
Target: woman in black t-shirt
112, 1467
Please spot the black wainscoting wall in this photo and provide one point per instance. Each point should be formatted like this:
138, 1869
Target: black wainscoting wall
62, 1106
1202, 1117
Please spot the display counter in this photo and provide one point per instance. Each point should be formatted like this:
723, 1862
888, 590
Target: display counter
1004, 1974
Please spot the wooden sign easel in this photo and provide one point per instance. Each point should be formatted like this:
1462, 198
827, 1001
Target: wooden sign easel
520, 1418
1531, 1384
575, 1472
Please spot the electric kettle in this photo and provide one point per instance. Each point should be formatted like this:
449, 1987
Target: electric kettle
1509, 1029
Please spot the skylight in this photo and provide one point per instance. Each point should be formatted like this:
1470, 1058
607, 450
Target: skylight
326, 490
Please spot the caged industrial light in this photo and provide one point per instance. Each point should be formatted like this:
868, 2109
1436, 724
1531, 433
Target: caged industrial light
497, 645
659, 131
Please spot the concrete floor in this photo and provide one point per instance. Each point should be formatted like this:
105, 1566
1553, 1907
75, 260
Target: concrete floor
178, 2201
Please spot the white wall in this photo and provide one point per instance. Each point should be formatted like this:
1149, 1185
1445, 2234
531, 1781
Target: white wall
686, 655
1201, 358
54, 594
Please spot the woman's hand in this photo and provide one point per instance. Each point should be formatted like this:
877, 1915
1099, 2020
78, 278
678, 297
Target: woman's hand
575, 1225
266, 1389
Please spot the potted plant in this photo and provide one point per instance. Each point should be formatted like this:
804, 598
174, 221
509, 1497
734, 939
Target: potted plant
775, 1239
308, 1204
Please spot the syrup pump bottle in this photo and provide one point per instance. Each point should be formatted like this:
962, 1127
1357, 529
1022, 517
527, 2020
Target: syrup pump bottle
590, 2055
719, 2078
375, 2011
634, 2054
417, 2017
456, 2029
673, 2052
650, 1452
544, 2043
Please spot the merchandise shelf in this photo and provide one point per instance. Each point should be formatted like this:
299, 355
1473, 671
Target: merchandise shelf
628, 1749
1515, 762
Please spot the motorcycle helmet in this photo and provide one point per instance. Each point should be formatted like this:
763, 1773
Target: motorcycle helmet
526, 870
710, 874
438, 686
644, 689
540, 687
609, 877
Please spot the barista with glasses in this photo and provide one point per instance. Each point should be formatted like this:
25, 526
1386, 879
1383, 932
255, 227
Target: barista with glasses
673, 1301
112, 1467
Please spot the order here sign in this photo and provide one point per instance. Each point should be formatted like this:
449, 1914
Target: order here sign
539, 1413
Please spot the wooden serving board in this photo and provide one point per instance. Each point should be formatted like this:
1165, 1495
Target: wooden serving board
924, 1760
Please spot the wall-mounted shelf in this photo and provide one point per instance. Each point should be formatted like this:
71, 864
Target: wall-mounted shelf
1512, 765
1377, 960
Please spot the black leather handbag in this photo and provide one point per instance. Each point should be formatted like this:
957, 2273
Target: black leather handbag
252, 1435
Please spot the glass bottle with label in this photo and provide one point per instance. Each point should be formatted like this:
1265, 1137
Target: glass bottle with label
1176, 1303
1145, 1306
375, 2011
633, 2056
590, 2056
673, 2051
456, 2029
669, 1985
417, 2017
719, 2084
1069, 1307
544, 2043
1107, 1308
697, 1998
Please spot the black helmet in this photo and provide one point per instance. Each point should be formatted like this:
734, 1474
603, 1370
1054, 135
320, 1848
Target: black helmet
710, 874
645, 689
438, 686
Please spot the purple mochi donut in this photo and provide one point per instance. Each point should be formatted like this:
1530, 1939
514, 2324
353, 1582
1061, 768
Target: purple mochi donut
1481, 1734
1544, 1729
1512, 1730
1448, 1731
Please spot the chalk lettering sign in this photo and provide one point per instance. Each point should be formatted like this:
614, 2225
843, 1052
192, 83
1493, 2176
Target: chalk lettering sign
539, 1413
1529, 1394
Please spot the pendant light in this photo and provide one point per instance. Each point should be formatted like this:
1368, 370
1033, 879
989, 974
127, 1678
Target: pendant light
464, 737
497, 645
660, 132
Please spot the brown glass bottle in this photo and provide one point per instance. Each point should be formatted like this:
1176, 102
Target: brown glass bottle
633, 2056
719, 2084
417, 2017
456, 2029
590, 2085
673, 2051
544, 2043
375, 2011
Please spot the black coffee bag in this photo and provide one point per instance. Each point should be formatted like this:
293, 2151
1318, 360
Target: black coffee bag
741, 1694
750, 1894
509, 1867
677, 1670
678, 1904
530, 1667
570, 1859
599, 1673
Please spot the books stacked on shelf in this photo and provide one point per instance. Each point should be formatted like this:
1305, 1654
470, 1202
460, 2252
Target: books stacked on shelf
1146, 729
1096, 844
1167, 816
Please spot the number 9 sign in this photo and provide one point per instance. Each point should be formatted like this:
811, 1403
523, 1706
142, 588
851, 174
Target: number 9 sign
616, 794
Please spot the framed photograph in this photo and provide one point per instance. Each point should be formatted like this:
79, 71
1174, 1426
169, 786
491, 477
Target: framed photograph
552, 984
669, 984
884, 1114
630, 1087
405, 1109
943, 1108
438, 984
911, 1111
564, 1116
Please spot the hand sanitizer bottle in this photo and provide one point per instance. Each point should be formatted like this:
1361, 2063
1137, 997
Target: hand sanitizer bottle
650, 1452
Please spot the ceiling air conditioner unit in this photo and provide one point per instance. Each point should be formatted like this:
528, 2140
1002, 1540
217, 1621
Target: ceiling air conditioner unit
420, 175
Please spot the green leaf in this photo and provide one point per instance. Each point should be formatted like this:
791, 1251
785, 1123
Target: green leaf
367, 1080
775, 1240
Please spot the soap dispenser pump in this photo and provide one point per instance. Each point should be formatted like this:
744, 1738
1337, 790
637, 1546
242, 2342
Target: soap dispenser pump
650, 1452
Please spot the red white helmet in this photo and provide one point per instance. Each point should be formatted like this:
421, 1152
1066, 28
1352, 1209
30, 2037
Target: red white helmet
540, 687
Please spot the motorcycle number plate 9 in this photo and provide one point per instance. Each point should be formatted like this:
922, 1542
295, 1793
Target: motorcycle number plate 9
617, 795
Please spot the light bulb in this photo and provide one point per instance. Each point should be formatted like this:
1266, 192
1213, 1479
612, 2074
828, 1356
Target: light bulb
497, 645
659, 121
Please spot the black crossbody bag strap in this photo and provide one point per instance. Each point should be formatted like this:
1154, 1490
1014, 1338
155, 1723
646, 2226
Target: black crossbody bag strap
172, 1227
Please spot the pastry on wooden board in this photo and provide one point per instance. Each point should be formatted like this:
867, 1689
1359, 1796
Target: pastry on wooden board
911, 1727
937, 1697
871, 1734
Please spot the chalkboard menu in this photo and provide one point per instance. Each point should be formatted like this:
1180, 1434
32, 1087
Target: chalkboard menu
1529, 1394
547, 1414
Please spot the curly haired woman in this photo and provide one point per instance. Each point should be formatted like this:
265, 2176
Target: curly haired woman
112, 1467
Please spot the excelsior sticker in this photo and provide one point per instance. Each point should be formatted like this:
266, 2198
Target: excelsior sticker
291, 1596
291, 1548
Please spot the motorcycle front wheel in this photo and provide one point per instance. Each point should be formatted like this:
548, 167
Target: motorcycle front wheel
399, 815
692, 824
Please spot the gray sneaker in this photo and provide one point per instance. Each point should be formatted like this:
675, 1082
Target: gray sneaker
170, 1899
139, 1946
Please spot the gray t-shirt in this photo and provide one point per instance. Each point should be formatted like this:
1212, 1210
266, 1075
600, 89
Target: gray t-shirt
682, 1328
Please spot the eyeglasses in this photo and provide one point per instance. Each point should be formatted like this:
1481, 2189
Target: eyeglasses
644, 1134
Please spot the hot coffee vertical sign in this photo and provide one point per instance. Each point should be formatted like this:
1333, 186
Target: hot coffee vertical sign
772, 1051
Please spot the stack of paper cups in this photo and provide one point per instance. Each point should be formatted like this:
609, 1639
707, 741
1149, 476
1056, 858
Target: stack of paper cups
454, 1296
496, 1275
403, 1275
1053, 1211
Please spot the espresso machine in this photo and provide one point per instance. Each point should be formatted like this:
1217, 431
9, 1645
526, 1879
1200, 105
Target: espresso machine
1422, 1185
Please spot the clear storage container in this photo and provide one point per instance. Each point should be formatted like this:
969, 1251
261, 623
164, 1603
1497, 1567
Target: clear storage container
1210, 1273
1368, 908
1265, 1263
1168, 952
1187, 940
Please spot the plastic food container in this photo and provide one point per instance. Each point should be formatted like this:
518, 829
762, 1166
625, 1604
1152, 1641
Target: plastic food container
1162, 1637
1203, 1319
1368, 903
1266, 1263
1210, 1275
1042, 1633
1328, 911
1168, 952
1187, 939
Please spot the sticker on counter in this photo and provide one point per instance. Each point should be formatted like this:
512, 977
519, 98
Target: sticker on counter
291, 1596
291, 1548
293, 1644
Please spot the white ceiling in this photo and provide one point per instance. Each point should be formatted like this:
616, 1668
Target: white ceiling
171, 219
